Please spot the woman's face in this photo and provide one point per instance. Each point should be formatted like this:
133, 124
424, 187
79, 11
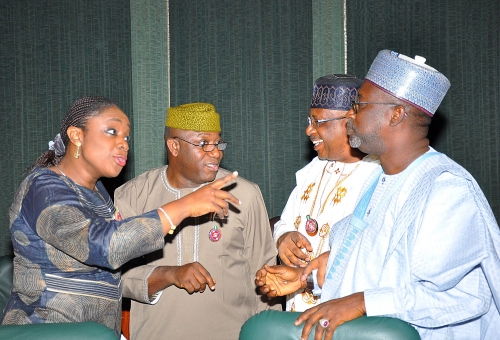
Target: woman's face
105, 146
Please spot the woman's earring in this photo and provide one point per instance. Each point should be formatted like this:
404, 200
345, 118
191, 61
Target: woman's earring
77, 152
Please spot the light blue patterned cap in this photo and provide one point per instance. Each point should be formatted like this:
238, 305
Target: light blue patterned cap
409, 79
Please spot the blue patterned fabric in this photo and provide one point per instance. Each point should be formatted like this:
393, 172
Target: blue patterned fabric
429, 255
68, 250
409, 79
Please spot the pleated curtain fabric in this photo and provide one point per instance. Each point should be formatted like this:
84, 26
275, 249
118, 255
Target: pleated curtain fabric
52, 53
461, 39
253, 61
329, 37
149, 48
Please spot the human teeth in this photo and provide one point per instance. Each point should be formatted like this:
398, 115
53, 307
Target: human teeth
316, 142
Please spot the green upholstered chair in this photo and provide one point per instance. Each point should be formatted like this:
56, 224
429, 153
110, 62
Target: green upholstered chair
5, 279
276, 325
52, 331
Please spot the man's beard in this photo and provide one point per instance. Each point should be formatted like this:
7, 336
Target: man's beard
355, 141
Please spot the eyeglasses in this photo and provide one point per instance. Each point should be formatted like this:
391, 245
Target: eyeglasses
315, 122
355, 105
207, 147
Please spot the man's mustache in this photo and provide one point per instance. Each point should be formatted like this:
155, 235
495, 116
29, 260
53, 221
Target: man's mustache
349, 124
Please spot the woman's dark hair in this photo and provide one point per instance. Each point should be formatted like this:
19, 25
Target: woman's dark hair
77, 115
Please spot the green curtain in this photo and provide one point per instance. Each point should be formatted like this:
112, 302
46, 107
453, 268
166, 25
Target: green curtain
328, 37
461, 39
54, 52
149, 83
253, 61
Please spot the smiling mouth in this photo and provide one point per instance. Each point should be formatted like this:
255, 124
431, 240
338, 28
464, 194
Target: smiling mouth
318, 141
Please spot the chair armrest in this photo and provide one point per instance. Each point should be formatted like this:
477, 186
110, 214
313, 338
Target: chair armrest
276, 325
53, 331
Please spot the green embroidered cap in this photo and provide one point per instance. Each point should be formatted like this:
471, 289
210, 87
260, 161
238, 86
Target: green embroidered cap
194, 116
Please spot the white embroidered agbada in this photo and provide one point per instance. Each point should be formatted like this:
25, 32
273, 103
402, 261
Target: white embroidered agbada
326, 191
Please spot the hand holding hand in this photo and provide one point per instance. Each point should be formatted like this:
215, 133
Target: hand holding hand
320, 264
278, 280
290, 247
332, 314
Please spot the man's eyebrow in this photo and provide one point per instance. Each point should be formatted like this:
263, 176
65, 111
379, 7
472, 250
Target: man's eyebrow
201, 134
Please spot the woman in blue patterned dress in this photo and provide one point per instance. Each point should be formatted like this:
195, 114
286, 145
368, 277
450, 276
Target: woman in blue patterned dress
69, 241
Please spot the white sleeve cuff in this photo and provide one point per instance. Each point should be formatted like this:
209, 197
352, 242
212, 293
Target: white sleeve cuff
379, 302
153, 299
317, 290
278, 230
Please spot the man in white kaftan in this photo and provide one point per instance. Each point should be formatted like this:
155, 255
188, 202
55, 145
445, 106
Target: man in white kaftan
336, 199
328, 187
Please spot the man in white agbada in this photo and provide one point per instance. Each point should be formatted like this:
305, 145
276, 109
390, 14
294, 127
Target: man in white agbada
327, 187
422, 244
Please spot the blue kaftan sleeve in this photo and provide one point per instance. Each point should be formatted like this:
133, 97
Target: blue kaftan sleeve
444, 250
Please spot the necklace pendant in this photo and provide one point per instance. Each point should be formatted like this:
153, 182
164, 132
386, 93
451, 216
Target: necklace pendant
311, 226
214, 234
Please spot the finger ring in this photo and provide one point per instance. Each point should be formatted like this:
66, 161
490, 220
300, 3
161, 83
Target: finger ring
324, 323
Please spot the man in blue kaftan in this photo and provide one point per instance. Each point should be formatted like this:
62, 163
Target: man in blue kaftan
422, 244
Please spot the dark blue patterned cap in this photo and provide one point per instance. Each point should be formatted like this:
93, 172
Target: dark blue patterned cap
409, 79
335, 92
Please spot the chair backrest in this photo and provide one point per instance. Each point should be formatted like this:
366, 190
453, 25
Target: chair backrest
6, 268
272, 222
276, 325
52, 331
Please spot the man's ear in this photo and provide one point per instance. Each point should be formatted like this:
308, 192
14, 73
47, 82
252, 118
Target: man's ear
172, 146
75, 134
397, 115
